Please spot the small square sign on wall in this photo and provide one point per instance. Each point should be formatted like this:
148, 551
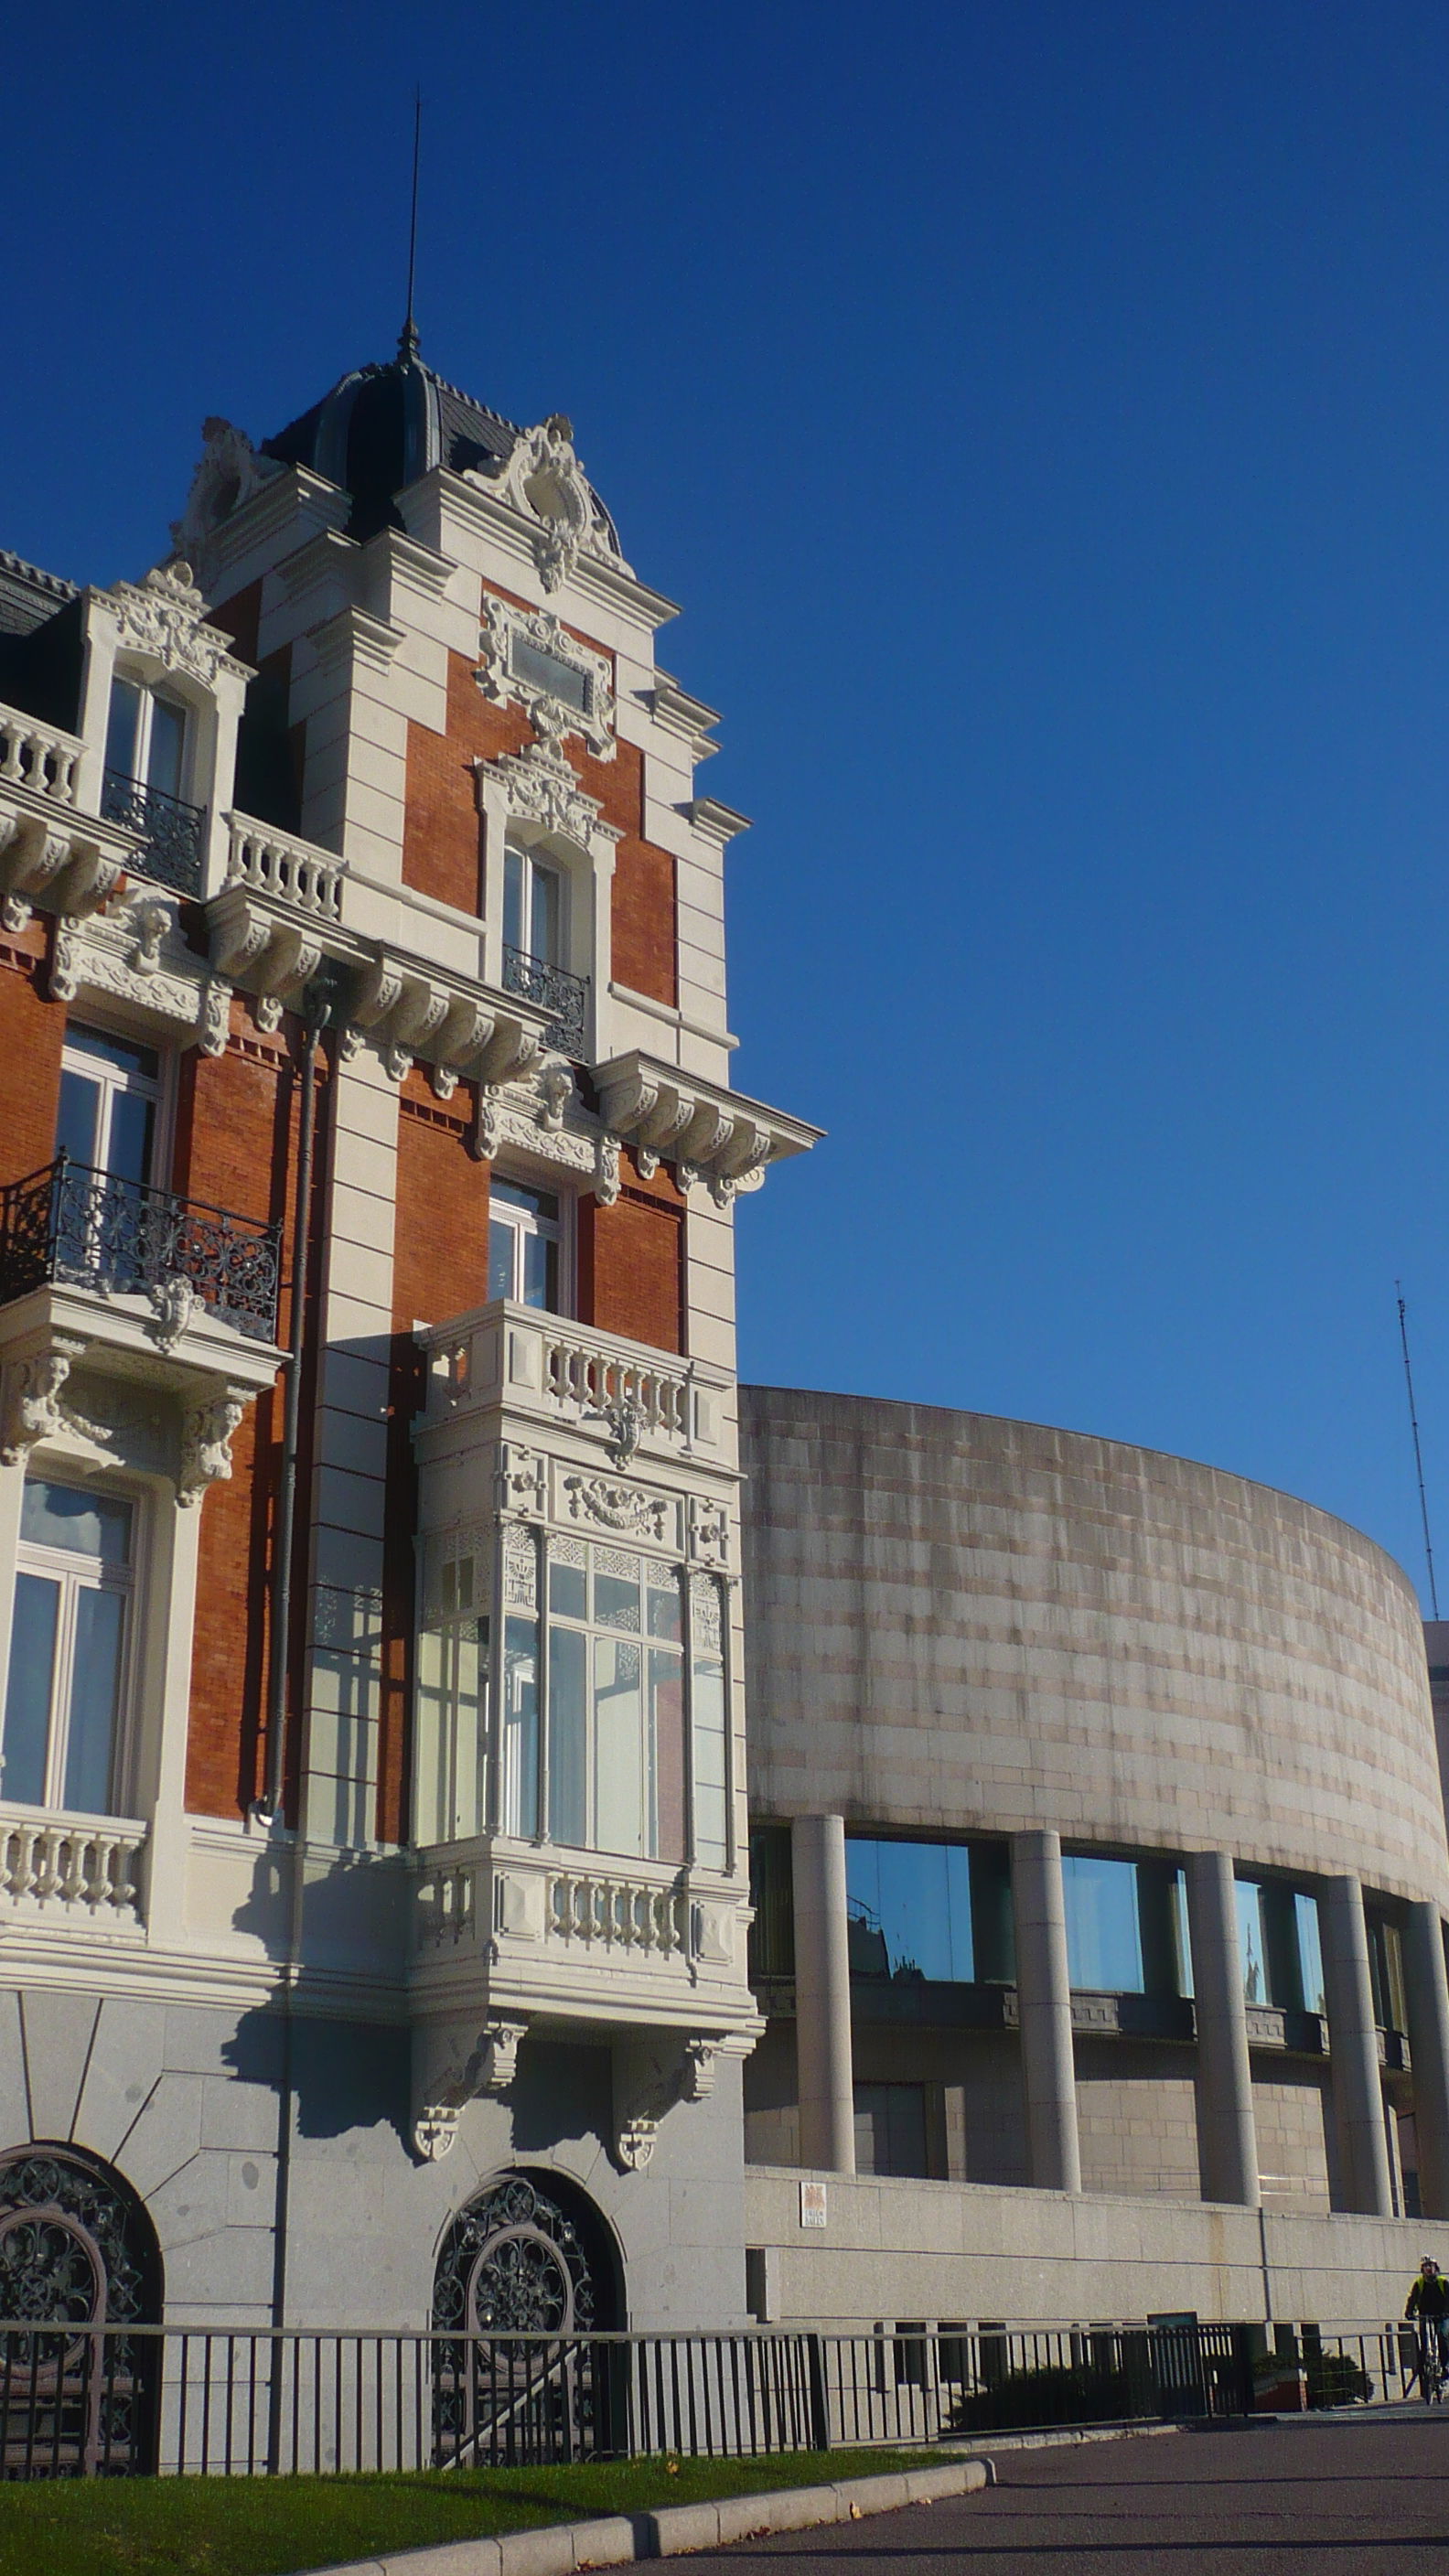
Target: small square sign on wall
812, 2204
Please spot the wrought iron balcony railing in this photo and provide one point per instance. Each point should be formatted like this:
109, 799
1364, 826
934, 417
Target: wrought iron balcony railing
170, 829
567, 996
80, 1228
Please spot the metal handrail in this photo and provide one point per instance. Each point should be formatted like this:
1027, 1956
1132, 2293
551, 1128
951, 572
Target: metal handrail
70, 1223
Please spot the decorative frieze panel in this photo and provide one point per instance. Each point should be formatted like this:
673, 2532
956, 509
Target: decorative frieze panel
519, 646
134, 952
163, 620
595, 1502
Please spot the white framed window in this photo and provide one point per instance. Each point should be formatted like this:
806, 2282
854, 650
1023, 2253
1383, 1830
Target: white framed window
147, 737
527, 1246
63, 1741
451, 1767
535, 908
616, 1741
110, 1104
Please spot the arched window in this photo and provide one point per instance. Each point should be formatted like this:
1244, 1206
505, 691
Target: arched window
77, 2250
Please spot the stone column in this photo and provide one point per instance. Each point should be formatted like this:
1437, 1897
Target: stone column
1353, 2041
1227, 2137
822, 1995
1428, 2000
1044, 2001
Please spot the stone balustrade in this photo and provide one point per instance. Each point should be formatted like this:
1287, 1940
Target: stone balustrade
577, 1376
38, 756
292, 872
84, 1864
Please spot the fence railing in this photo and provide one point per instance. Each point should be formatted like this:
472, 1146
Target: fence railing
126, 2399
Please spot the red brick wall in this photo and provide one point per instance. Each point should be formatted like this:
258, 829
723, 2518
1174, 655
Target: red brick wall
440, 827
631, 1261
440, 832
32, 1033
440, 1269
236, 1145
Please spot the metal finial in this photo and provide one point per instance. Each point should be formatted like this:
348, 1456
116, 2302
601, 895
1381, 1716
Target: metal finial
408, 340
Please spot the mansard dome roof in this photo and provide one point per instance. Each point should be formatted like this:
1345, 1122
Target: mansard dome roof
384, 425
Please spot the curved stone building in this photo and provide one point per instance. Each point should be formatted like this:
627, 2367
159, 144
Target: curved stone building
1098, 1837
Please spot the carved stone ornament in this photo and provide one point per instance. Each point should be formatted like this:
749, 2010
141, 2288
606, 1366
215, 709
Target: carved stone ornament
132, 952
164, 618
55, 864
542, 787
653, 2080
625, 1425
606, 1171
33, 1409
504, 686
172, 1303
227, 473
540, 1116
709, 1531
206, 1438
522, 1481
490, 2068
545, 481
618, 1507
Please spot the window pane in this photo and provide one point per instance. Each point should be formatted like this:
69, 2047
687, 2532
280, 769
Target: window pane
1250, 1942
141, 1063
513, 866
616, 1590
620, 1781
540, 1273
168, 739
520, 1726
1104, 1941
545, 914
27, 1696
662, 1609
128, 1149
711, 1785
95, 1691
76, 1125
664, 1804
568, 1772
123, 726
1311, 1953
501, 1241
568, 1589
452, 1731
900, 1901
541, 1205
87, 1523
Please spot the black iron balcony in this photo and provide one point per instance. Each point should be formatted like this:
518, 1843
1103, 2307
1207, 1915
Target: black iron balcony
70, 1226
170, 830
567, 996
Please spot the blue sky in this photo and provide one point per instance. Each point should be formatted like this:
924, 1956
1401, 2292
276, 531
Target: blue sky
1042, 411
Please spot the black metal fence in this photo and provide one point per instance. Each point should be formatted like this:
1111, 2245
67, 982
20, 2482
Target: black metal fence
92, 1230
122, 2400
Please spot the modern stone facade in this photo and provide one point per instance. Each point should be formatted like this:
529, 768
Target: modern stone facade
1184, 1722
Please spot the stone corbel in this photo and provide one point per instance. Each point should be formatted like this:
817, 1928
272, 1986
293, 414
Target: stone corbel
490, 2068
206, 1438
43, 863
33, 1408
651, 2077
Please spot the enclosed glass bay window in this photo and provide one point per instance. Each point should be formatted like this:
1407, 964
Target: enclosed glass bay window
612, 1730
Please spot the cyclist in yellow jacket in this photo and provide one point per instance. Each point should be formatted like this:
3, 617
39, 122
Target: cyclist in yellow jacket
1428, 2306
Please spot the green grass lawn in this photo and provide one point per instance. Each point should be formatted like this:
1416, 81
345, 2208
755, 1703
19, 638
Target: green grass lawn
272, 2526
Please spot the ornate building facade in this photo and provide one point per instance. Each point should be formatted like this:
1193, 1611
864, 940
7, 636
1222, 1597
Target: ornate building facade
372, 1842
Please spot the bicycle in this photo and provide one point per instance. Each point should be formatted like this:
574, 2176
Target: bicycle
1429, 2367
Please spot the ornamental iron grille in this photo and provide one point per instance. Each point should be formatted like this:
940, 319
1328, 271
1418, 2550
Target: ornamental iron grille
170, 830
90, 1229
527, 2386
553, 989
77, 2255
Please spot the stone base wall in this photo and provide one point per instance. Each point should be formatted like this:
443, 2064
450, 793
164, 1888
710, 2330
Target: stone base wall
951, 2253
193, 2107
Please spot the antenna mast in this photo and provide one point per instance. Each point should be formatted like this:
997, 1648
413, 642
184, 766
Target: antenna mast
1418, 1453
408, 343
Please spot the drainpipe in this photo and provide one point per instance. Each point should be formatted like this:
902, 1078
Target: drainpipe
316, 1011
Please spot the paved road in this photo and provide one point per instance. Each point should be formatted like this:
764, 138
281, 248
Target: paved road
1338, 2497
